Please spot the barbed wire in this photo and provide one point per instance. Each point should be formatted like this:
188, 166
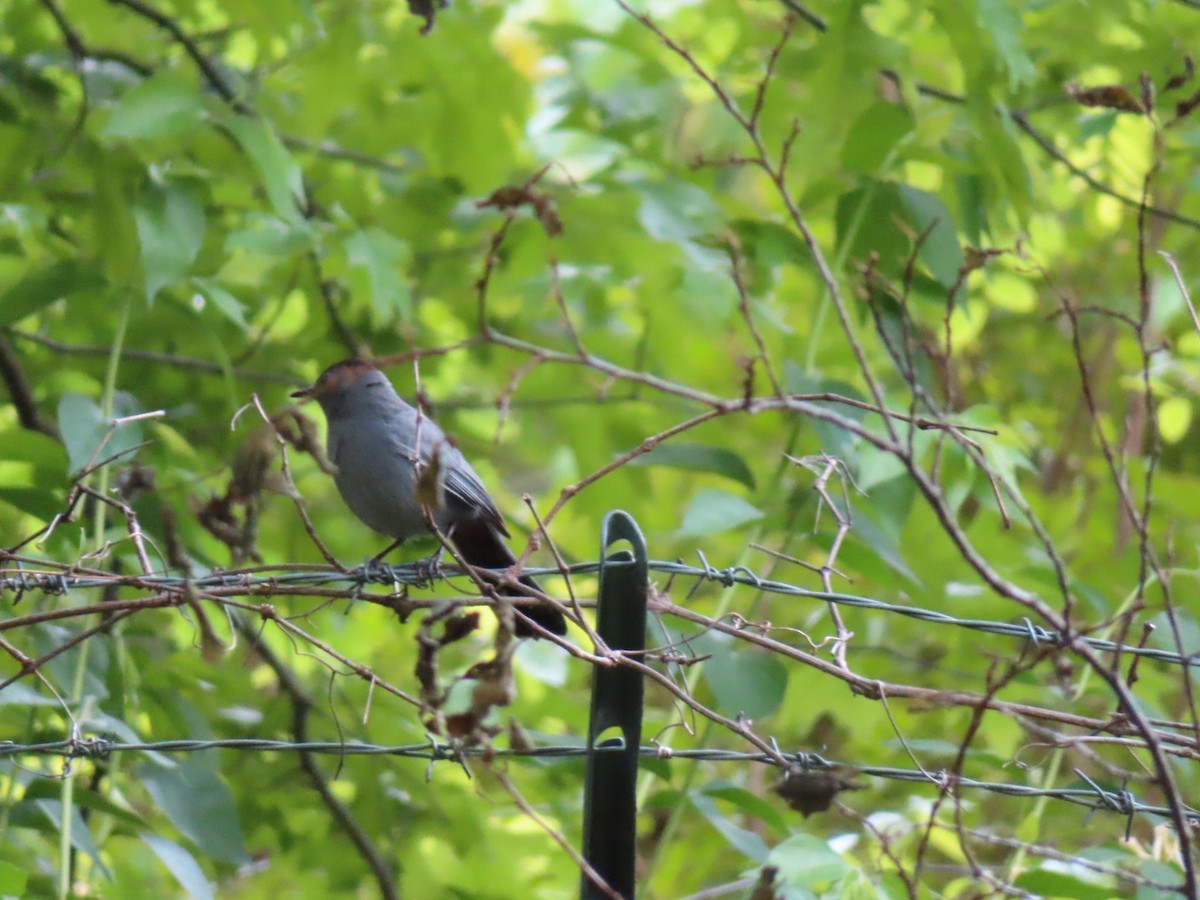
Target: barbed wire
1094, 796
422, 573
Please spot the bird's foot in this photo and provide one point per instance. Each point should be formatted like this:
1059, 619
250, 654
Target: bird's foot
429, 569
376, 572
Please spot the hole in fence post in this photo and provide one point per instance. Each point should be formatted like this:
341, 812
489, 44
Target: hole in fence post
609, 738
615, 726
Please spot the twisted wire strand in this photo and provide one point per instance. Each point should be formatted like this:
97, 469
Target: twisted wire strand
417, 574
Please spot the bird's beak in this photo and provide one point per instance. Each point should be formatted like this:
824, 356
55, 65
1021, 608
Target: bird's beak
302, 395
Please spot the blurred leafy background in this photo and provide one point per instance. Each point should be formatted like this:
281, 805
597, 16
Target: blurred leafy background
205, 200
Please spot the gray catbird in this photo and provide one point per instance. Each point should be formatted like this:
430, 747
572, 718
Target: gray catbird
372, 435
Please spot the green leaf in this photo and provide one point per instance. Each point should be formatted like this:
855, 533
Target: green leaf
865, 219
835, 440
891, 503
1154, 870
1174, 416
270, 236
225, 302
1081, 885
1003, 24
20, 694
940, 251
182, 865
1098, 125
677, 211
43, 286
712, 511
749, 803
766, 246
875, 467
68, 540
46, 455
698, 458
280, 174
867, 223
12, 880
84, 799
999, 147
36, 501
1181, 627
706, 300
170, 224
584, 154
769, 242
382, 256
161, 106
115, 178
866, 533
874, 136
81, 836
807, 861
933, 746
741, 839
857, 885
972, 207
970, 44
745, 682
544, 661
198, 803
84, 427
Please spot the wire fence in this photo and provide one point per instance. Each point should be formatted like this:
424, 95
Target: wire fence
1094, 796
420, 575
46, 578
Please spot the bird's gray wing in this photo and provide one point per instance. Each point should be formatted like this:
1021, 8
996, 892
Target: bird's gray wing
465, 494
463, 487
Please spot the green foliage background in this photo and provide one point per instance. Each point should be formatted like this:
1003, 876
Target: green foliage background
327, 205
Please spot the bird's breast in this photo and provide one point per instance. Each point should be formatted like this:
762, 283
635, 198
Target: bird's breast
377, 479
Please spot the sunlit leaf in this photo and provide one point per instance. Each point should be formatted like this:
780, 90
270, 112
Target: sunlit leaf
44, 453
745, 681
713, 511
699, 458
33, 500
224, 301
182, 865
162, 105
170, 224
1003, 23
12, 879
90, 436
382, 257
939, 250
1174, 418
43, 286
198, 803
876, 135
748, 802
1082, 884
805, 860
674, 211
81, 836
741, 839
279, 172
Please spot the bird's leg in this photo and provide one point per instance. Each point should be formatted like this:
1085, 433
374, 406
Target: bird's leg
378, 558
377, 568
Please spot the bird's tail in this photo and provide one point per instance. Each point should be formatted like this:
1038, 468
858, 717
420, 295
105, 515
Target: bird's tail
480, 545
